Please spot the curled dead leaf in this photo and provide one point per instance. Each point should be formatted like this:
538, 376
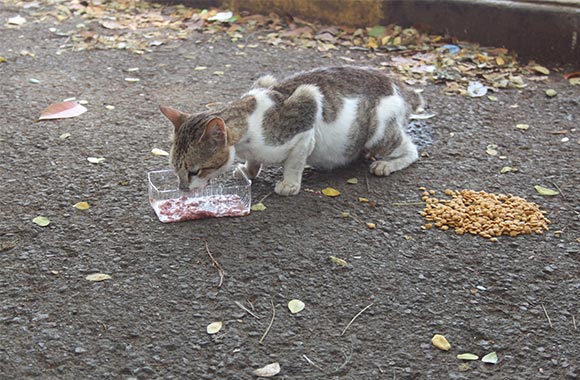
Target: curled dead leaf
268, 371
62, 110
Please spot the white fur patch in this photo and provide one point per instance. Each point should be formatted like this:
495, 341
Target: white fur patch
331, 138
391, 108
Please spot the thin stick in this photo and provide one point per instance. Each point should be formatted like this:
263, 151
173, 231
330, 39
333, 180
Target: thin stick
354, 318
560, 190
221, 271
408, 204
265, 196
547, 316
367, 182
271, 323
246, 310
574, 321
313, 364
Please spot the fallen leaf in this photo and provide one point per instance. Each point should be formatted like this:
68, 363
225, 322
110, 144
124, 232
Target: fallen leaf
545, 191
295, 306
330, 192
338, 261
492, 98
214, 327
467, 357
523, 127
268, 371
64, 136
16, 20
377, 31
132, 80
541, 69
219, 73
371, 226
2, 59
159, 152
574, 81
363, 200
551, 93
352, 181
345, 214
490, 358
62, 110
199, 68
476, 89
96, 277
42, 221
34, 81
222, 17
507, 169
491, 150
82, 206
258, 207
440, 342
109, 107
96, 160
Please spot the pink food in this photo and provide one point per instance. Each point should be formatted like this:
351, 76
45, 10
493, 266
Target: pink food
183, 208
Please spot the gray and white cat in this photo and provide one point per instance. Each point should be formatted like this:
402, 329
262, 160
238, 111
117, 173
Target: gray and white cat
326, 118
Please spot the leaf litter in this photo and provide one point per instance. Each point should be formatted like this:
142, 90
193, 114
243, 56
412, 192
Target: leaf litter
419, 57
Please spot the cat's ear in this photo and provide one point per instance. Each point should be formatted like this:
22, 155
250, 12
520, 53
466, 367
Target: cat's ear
215, 131
175, 116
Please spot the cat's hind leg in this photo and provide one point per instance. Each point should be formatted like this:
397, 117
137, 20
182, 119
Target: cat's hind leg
398, 158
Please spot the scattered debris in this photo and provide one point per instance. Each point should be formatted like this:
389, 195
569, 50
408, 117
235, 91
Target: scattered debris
354, 318
62, 110
214, 327
295, 306
441, 342
268, 371
490, 358
97, 277
41, 221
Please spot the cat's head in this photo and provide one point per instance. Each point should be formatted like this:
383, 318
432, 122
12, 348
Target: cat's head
200, 149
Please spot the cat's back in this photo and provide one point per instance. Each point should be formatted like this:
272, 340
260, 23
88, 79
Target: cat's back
343, 81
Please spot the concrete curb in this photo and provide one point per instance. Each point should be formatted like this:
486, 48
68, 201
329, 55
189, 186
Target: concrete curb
543, 30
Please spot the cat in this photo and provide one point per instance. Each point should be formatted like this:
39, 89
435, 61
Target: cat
325, 118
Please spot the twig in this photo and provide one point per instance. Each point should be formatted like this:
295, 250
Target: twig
246, 310
367, 182
560, 190
574, 322
265, 196
547, 316
221, 271
408, 204
354, 318
270, 324
313, 364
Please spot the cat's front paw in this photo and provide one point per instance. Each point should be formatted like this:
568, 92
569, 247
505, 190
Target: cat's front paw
287, 188
382, 168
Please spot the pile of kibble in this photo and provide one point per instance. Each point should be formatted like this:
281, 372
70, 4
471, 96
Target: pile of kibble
480, 213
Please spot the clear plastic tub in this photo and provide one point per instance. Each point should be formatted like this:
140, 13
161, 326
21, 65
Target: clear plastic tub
227, 195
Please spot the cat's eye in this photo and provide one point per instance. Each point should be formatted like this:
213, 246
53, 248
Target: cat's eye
193, 173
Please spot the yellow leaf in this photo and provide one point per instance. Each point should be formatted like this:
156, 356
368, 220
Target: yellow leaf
330, 192
295, 306
371, 226
82, 206
440, 342
551, 93
159, 152
338, 261
545, 191
541, 69
96, 277
523, 127
352, 181
214, 327
500, 61
258, 207
574, 81
363, 200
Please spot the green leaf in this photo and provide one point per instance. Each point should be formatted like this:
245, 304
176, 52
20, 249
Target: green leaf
214, 327
377, 31
545, 191
467, 357
42, 221
551, 93
490, 358
352, 181
295, 306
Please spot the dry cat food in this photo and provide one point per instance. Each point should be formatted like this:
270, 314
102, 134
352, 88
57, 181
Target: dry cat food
184, 208
485, 214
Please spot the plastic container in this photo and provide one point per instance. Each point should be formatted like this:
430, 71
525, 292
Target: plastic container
227, 195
